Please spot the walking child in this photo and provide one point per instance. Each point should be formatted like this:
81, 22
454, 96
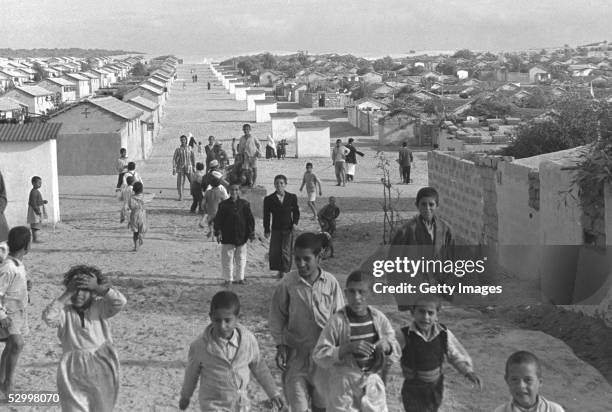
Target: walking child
212, 197
126, 196
311, 181
88, 372
356, 346
14, 288
121, 167
234, 225
426, 344
196, 188
327, 220
524, 378
138, 216
302, 304
131, 171
36, 209
223, 358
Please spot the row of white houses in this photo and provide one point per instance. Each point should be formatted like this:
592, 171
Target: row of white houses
83, 138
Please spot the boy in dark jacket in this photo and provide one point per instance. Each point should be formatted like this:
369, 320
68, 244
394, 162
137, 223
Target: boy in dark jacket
234, 225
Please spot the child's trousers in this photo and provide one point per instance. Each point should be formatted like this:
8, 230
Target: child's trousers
230, 255
421, 396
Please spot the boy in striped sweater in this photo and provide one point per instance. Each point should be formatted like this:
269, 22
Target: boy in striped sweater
357, 342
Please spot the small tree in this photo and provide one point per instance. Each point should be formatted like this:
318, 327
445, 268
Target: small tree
391, 218
139, 70
40, 72
464, 54
268, 61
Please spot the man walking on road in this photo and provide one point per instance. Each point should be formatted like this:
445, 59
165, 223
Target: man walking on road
339, 161
183, 164
405, 161
249, 149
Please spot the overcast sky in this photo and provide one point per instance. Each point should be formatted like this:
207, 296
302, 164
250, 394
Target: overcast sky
362, 27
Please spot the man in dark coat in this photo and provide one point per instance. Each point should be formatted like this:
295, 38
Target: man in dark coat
234, 226
283, 207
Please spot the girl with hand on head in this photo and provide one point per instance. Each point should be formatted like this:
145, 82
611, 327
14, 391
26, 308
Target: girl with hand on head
88, 373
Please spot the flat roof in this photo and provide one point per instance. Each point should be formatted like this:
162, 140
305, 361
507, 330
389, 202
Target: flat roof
267, 100
311, 125
284, 114
256, 91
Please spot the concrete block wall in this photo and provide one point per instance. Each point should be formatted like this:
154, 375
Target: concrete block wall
461, 194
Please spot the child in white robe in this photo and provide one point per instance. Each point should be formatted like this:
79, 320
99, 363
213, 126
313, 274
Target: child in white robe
88, 373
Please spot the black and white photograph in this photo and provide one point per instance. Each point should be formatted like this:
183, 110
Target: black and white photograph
306, 206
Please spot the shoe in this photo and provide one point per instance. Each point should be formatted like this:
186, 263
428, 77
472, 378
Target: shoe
227, 283
240, 282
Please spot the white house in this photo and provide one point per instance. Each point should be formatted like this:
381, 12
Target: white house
60, 86
82, 83
28, 150
38, 99
312, 139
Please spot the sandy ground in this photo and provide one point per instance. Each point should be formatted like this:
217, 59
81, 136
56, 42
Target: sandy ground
169, 282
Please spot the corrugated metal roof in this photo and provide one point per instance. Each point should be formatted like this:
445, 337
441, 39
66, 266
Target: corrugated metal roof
143, 101
60, 81
35, 90
76, 76
151, 88
7, 104
156, 83
31, 132
117, 107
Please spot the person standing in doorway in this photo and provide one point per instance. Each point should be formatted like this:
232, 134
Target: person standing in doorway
282, 206
405, 162
183, 164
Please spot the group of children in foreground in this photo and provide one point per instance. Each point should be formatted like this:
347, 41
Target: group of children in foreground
334, 356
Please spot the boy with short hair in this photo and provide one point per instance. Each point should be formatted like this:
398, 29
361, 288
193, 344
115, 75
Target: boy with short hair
36, 209
425, 235
226, 349
357, 343
212, 197
427, 343
196, 188
327, 220
121, 166
131, 171
311, 181
524, 378
14, 287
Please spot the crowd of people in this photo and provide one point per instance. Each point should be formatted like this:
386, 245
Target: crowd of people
334, 349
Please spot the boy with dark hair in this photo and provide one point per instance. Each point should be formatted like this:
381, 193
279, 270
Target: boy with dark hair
311, 181
196, 188
36, 209
356, 345
131, 171
405, 161
226, 348
14, 287
234, 225
283, 207
524, 378
121, 166
425, 235
426, 344
327, 220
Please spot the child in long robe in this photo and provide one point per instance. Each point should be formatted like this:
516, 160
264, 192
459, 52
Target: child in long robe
88, 373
